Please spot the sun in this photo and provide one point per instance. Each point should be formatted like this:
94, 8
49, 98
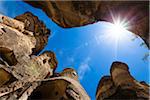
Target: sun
118, 28
115, 32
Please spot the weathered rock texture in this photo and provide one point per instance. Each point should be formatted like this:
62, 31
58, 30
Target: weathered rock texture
21, 71
18, 66
63, 87
79, 13
40, 32
121, 85
69, 72
4, 77
12, 40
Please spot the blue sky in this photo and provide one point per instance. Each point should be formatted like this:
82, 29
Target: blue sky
87, 49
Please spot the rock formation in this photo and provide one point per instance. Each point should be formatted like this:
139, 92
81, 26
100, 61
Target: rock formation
4, 77
26, 75
40, 32
19, 44
63, 87
22, 71
18, 65
79, 13
69, 72
121, 85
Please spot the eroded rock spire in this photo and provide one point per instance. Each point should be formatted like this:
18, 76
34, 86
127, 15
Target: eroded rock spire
121, 85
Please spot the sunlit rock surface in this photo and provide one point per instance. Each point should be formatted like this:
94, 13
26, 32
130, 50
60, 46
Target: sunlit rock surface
40, 32
18, 65
121, 85
78, 13
64, 86
21, 71
13, 43
28, 76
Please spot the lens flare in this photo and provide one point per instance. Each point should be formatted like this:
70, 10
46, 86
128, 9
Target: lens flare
118, 28
115, 34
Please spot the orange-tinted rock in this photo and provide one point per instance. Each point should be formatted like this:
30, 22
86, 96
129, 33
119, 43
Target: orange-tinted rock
69, 72
8, 56
4, 77
79, 13
121, 85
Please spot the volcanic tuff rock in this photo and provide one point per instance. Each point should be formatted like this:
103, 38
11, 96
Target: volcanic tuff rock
21, 71
13, 42
18, 66
32, 70
40, 32
69, 72
64, 86
79, 13
121, 85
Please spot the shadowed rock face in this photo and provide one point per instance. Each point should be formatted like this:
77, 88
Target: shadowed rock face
78, 13
121, 85
8, 56
4, 77
64, 86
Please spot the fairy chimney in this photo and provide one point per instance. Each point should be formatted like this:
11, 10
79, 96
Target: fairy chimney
120, 74
121, 85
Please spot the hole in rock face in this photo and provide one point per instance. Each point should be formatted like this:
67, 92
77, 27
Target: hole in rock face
8, 56
49, 61
74, 74
56, 93
3, 30
44, 61
26, 33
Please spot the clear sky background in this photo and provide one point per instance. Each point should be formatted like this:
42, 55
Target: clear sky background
87, 49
